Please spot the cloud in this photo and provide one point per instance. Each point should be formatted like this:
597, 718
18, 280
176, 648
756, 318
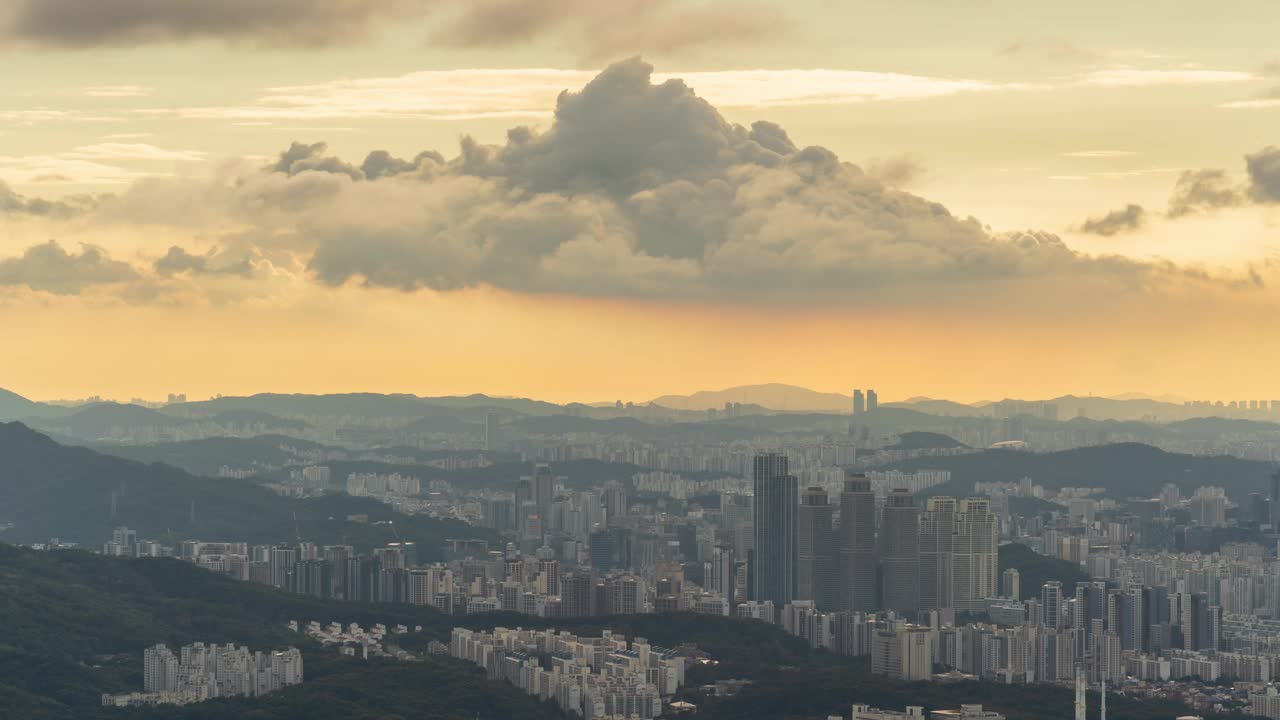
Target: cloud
302, 158
643, 189
897, 171
637, 188
117, 91
11, 203
133, 151
178, 261
602, 29
1264, 175
1140, 77
1053, 49
1129, 218
1099, 154
1208, 189
531, 92
52, 269
1200, 190
73, 23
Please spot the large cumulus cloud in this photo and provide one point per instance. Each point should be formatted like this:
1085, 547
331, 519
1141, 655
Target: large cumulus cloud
645, 189
635, 189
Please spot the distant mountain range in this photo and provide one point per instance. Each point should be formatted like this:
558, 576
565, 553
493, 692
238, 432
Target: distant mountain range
278, 411
774, 396
792, 398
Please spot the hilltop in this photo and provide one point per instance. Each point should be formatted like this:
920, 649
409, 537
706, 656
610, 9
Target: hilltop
49, 490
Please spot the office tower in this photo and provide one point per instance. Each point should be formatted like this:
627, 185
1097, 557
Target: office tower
601, 551
492, 440
815, 550
774, 542
1051, 602
542, 490
687, 537
974, 553
900, 553
937, 530
1275, 495
873, 400
856, 577
1011, 584
859, 402
1155, 613
577, 593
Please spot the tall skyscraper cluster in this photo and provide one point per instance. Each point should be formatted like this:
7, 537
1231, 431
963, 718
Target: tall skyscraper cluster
942, 558
865, 402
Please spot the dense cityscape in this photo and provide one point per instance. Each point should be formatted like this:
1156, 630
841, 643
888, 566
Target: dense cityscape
639, 360
1171, 596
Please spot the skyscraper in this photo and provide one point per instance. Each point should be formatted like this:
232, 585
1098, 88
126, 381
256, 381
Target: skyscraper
974, 553
900, 552
937, 530
1011, 584
859, 402
873, 400
1051, 601
542, 490
577, 593
724, 569
815, 550
773, 576
856, 576
1275, 498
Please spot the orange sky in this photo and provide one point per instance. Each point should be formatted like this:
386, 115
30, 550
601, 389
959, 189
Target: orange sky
566, 349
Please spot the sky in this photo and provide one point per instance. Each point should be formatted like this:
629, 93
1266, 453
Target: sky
575, 200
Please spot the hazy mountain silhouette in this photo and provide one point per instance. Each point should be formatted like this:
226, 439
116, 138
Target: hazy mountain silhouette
775, 396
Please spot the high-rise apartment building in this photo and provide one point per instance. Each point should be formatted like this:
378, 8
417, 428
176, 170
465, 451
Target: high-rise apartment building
1051, 600
774, 554
815, 549
723, 570
859, 402
1011, 584
975, 558
856, 586
937, 531
900, 553
902, 652
873, 400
